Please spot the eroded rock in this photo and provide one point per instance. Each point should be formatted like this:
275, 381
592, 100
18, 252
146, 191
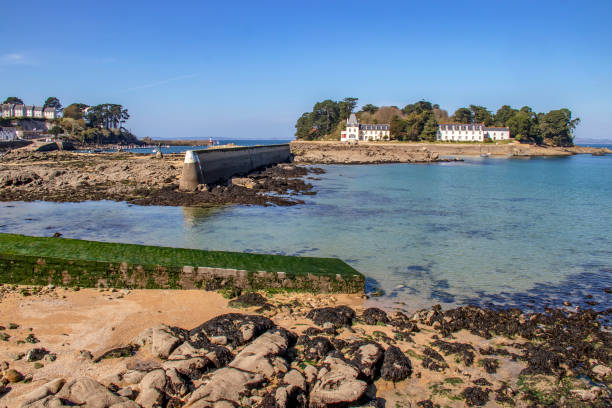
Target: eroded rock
336, 384
237, 328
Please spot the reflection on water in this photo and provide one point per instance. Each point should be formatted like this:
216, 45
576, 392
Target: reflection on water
193, 216
487, 231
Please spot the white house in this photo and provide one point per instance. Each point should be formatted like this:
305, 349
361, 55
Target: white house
7, 110
8, 134
51, 113
19, 111
470, 132
363, 132
10, 110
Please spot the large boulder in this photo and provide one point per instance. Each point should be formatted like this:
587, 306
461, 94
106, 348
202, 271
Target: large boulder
366, 356
258, 362
263, 355
220, 356
374, 316
45, 390
238, 329
338, 316
190, 367
152, 389
163, 339
90, 393
226, 384
336, 384
315, 348
396, 366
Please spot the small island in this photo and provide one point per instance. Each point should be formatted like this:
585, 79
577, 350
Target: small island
422, 132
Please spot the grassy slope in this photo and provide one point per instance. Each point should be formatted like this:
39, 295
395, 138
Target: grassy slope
164, 256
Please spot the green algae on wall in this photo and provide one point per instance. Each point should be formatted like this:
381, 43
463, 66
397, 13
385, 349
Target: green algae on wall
69, 262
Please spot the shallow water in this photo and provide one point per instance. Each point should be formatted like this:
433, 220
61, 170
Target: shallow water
486, 231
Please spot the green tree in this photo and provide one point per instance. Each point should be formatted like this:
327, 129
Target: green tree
74, 111
524, 126
558, 127
52, 102
482, 115
347, 106
107, 116
463, 115
418, 107
14, 99
503, 114
304, 127
369, 108
430, 130
397, 128
327, 115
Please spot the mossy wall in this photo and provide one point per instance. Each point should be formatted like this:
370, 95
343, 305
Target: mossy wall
31, 264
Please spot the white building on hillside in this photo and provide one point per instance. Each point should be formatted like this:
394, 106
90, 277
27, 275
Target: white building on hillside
18, 111
470, 132
363, 132
7, 110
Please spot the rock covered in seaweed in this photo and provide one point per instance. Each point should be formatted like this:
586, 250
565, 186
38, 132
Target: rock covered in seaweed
396, 366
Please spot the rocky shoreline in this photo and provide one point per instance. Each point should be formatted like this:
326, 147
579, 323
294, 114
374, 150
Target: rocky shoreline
139, 179
323, 152
288, 350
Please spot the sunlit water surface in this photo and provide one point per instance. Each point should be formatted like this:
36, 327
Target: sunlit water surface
486, 231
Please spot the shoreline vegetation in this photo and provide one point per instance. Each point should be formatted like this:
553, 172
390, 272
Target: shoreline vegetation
419, 121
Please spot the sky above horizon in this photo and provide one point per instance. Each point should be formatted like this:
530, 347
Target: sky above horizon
250, 69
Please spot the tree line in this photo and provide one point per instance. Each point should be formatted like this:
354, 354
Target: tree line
419, 121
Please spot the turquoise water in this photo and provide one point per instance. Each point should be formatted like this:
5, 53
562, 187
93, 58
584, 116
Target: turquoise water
487, 231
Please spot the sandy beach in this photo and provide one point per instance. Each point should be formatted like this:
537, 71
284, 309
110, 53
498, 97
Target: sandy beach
453, 362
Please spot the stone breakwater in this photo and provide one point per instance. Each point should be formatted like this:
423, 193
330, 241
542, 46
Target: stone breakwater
138, 179
307, 352
404, 152
78, 263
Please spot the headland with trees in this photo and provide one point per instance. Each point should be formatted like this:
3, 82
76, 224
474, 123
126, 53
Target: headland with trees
419, 121
79, 122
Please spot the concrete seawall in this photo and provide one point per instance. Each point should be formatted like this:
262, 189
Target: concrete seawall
217, 165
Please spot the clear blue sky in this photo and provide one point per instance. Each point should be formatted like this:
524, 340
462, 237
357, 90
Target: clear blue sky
249, 69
